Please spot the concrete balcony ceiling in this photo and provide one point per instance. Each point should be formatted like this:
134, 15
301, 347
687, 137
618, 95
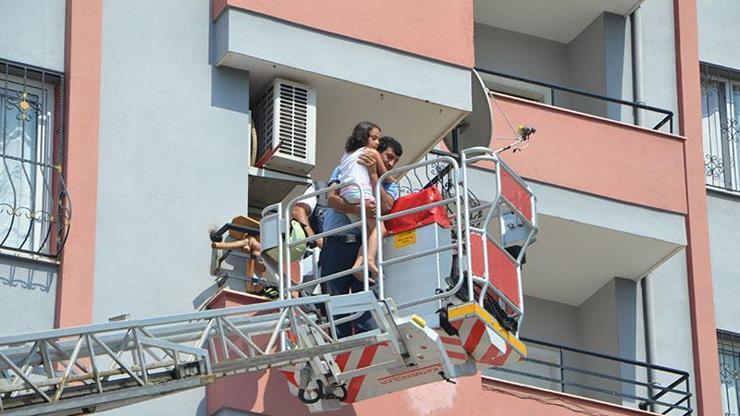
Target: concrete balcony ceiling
558, 20
572, 260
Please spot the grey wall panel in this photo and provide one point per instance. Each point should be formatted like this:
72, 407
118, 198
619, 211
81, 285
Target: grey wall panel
618, 65
627, 314
718, 34
173, 156
597, 319
174, 133
586, 68
33, 32
551, 322
658, 60
520, 54
27, 295
672, 326
724, 227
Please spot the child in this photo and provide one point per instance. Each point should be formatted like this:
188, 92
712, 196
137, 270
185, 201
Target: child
364, 139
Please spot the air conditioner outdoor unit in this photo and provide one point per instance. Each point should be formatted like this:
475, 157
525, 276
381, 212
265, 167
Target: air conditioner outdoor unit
285, 119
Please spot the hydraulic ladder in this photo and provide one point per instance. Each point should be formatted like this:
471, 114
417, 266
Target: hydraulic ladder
96, 367
103, 366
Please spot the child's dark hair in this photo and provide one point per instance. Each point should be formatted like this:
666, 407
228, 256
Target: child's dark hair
389, 142
359, 136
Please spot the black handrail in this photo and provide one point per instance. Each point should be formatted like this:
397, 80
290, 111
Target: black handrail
668, 114
670, 398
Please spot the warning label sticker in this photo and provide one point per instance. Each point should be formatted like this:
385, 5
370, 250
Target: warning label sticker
404, 239
418, 372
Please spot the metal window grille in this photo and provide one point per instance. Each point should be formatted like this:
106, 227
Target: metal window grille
720, 104
729, 371
35, 210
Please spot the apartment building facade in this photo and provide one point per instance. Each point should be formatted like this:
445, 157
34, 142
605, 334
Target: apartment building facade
126, 139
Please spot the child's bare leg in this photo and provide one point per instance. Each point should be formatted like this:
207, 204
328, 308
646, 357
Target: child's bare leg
372, 248
372, 251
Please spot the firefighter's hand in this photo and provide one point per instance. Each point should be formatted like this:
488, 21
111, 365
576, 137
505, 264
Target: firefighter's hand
369, 209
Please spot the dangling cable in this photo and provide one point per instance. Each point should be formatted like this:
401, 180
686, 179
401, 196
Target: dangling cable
503, 114
521, 133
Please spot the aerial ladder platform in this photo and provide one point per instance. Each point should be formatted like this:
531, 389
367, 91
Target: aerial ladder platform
449, 303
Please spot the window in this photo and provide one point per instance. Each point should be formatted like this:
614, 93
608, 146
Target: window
720, 107
729, 371
34, 209
521, 89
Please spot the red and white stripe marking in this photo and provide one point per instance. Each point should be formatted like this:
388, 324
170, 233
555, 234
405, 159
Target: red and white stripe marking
481, 342
453, 348
346, 361
355, 360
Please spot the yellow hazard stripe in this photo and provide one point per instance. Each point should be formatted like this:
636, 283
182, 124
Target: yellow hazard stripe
462, 310
474, 309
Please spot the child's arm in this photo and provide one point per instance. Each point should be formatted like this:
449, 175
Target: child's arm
372, 160
386, 200
379, 165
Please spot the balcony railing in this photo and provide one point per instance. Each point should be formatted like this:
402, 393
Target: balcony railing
35, 209
589, 374
560, 96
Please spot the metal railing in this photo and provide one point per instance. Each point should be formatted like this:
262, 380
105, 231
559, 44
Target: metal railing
667, 116
437, 174
35, 209
604, 377
452, 201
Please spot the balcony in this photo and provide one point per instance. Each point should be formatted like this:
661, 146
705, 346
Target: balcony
578, 100
600, 377
604, 112
588, 46
583, 152
594, 155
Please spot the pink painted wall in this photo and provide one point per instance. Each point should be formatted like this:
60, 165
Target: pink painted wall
514, 399
441, 30
267, 392
82, 69
595, 155
701, 296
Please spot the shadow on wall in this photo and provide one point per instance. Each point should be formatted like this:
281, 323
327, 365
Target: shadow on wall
27, 275
202, 409
230, 89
